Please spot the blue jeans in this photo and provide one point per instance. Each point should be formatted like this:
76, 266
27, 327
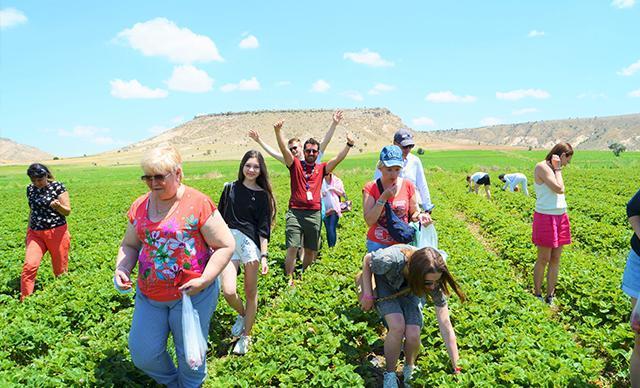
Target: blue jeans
330, 224
152, 322
374, 246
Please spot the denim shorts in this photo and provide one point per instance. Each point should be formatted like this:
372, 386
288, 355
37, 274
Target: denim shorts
374, 246
631, 276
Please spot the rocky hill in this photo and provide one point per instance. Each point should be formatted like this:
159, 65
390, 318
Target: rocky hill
12, 152
595, 133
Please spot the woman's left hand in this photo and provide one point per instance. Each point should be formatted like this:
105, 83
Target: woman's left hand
55, 204
265, 266
194, 286
425, 219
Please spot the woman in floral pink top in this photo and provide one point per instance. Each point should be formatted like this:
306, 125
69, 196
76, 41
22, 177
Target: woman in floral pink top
181, 243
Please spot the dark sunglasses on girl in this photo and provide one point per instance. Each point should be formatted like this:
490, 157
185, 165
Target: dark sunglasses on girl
158, 177
293, 148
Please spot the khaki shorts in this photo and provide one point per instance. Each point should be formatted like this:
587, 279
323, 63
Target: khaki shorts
303, 225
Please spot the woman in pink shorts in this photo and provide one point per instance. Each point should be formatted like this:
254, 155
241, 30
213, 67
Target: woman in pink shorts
551, 229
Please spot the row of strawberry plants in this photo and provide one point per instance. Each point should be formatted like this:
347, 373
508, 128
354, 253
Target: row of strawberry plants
590, 302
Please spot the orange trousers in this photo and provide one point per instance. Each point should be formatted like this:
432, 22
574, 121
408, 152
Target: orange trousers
56, 241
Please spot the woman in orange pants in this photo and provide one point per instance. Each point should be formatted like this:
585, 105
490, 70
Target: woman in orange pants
47, 232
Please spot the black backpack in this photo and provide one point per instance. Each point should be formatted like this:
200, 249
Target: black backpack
398, 229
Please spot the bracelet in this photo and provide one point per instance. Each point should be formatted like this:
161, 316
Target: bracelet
380, 202
368, 297
350, 144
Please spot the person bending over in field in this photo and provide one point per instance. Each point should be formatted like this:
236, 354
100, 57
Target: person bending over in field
303, 217
170, 234
512, 181
404, 276
479, 179
295, 146
49, 206
411, 168
551, 229
399, 192
248, 207
631, 282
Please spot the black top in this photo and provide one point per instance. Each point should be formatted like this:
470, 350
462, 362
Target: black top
633, 209
44, 216
246, 210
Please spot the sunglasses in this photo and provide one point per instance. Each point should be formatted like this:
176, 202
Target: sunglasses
311, 151
294, 148
157, 177
408, 146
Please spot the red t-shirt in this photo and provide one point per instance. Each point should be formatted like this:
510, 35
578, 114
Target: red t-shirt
306, 177
172, 244
399, 205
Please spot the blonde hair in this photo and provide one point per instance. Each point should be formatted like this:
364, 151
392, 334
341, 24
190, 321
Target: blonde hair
161, 159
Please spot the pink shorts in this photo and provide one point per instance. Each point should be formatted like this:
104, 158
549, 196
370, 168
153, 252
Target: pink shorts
551, 230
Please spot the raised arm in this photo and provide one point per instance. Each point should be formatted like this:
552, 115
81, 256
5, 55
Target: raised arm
337, 116
551, 175
333, 163
448, 335
282, 144
266, 147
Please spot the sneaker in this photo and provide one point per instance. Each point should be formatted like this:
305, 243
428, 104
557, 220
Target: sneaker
407, 371
390, 380
238, 326
243, 344
540, 298
549, 300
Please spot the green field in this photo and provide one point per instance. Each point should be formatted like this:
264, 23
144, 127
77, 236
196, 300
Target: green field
73, 330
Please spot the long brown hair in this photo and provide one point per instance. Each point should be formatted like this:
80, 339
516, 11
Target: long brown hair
425, 261
559, 149
262, 180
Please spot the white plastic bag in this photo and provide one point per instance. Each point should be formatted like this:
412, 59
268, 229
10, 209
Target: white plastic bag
426, 236
195, 345
635, 315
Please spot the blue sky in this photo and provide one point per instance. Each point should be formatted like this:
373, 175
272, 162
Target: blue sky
83, 77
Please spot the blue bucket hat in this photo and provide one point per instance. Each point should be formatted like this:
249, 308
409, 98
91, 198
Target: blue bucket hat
391, 155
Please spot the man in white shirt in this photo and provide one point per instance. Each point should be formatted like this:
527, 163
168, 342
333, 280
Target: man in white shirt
412, 168
513, 180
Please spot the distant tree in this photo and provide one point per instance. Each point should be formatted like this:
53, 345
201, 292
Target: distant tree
617, 148
530, 148
56, 158
420, 151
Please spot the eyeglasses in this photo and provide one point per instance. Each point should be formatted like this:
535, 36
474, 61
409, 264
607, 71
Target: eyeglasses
157, 177
35, 178
294, 148
410, 146
430, 283
311, 151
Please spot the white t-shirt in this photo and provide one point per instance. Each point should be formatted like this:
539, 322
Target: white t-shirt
478, 175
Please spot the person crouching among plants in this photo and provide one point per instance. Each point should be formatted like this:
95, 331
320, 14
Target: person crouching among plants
404, 276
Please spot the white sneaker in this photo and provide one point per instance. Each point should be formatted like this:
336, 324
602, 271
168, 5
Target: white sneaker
243, 344
238, 326
390, 380
407, 372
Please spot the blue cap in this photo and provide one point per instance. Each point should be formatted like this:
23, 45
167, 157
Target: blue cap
391, 155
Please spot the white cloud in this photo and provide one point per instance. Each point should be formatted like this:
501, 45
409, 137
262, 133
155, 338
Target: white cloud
10, 17
591, 95
244, 85
423, 122
250, 42
320, 86
283, 83
448, 96
133, 89
524, 111
623, 3
381, 88
535, 33
89, 133
489, 121
631, 69
634, 93
366, 57
163, 38
188, 78
354, 95
522, 93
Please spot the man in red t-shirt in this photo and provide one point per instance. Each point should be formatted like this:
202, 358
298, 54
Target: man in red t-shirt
303, 219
